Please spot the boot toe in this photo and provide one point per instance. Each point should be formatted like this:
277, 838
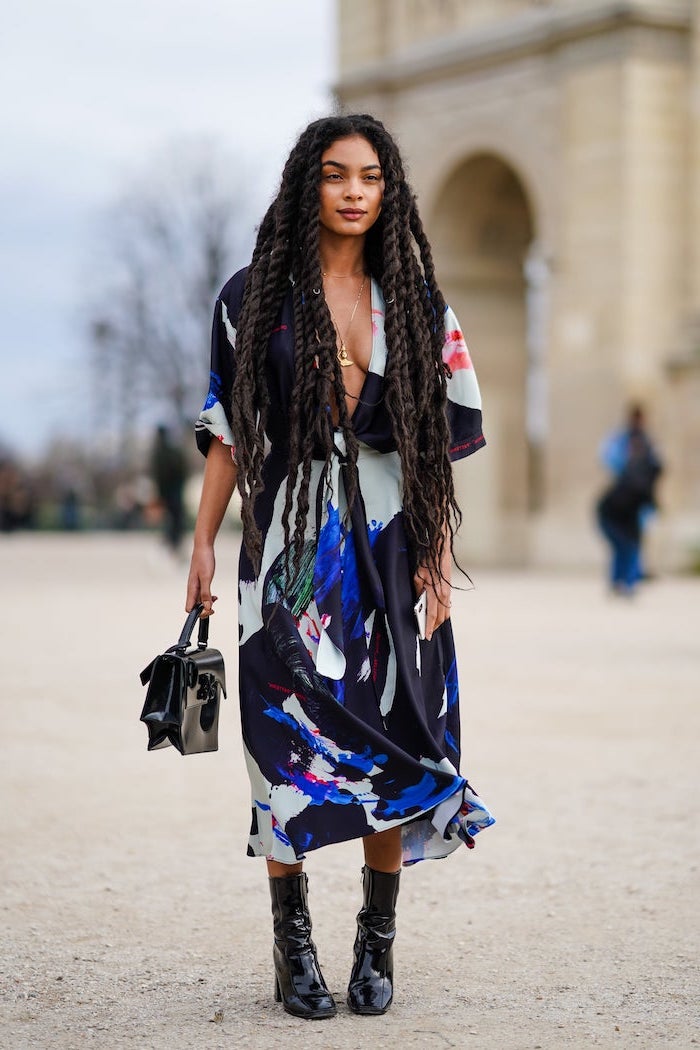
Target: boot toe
370, 999
314, 1008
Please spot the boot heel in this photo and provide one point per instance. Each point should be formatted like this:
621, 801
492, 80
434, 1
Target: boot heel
278, 993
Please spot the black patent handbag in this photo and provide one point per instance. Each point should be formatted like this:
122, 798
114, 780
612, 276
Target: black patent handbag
184, 687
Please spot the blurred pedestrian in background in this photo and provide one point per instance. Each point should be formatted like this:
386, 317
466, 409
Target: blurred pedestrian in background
627, 504
169, 471
17, 500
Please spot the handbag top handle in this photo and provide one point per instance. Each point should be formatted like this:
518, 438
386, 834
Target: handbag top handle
186, 633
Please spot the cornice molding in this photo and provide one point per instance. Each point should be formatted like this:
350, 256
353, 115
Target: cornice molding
535, 32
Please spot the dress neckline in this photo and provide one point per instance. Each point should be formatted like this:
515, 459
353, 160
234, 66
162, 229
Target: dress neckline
374, 295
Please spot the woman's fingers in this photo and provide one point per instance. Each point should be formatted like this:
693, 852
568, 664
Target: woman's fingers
439, 600
432, 618
438, 610
208, 603
199, 592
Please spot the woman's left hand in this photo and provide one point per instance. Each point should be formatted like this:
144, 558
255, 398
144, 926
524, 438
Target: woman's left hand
438, 593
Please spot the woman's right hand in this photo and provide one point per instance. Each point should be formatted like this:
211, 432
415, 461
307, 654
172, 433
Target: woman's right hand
200, 579
217, 488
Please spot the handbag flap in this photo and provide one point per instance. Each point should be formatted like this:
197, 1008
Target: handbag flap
145, 675
166, 689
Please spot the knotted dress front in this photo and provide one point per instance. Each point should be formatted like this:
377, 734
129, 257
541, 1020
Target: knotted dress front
350, 722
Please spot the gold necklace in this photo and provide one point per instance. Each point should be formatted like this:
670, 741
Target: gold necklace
342, 353
342, 276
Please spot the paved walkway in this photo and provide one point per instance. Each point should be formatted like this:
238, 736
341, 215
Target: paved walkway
132, 918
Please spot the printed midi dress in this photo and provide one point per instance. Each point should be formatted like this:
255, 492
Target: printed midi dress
350, 722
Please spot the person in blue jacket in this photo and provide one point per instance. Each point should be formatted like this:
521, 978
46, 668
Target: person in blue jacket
629, 503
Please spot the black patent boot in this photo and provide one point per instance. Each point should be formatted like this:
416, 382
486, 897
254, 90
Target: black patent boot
371, 987
299, 983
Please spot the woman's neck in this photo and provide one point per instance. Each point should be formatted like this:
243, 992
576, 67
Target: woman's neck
341, 256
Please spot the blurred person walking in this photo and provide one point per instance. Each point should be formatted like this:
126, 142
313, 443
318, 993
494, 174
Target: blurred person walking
620, 511
341, 390
615, 454
18, 503
169, 473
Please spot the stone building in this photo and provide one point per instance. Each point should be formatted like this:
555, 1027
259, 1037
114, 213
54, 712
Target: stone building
555, 150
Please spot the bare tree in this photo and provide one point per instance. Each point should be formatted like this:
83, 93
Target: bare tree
168, 245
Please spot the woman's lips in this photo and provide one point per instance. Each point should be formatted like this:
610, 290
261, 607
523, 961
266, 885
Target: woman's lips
351, 213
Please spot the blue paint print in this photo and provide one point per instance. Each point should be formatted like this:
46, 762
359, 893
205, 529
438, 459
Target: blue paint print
214, 395
451, 742
363, 762
337, 687
419, 796
305, 842
321, 791
327, 567
452, 685
278, 833
351, 598
262, 805
374, 529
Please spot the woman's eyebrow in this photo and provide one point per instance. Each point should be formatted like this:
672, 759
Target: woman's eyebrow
337, 164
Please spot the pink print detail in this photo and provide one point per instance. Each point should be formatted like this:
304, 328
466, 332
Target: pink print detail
454, 352
312, 778
375, 326
279, 688
313, 631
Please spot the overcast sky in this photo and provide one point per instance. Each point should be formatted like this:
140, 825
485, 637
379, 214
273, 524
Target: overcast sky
90, 92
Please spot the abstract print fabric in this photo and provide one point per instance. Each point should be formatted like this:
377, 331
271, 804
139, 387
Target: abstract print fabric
350, 722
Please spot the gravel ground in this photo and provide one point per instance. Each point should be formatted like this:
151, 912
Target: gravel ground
131, 916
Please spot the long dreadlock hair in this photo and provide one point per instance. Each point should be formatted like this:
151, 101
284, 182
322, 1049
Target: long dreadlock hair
415, 377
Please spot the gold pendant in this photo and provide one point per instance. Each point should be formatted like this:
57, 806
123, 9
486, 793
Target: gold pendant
344, 357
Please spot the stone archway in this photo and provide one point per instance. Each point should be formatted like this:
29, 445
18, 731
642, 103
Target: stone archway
483, 234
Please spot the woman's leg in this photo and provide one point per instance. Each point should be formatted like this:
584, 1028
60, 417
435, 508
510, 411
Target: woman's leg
383, 850
280, 871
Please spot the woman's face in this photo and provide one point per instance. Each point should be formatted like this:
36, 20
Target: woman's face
352, 187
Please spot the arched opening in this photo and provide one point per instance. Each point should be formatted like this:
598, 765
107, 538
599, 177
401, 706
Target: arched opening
483, 235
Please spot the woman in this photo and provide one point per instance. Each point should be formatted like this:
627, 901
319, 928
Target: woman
341, 388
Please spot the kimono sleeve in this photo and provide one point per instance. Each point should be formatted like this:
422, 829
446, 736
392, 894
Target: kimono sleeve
214, 421
463, 394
